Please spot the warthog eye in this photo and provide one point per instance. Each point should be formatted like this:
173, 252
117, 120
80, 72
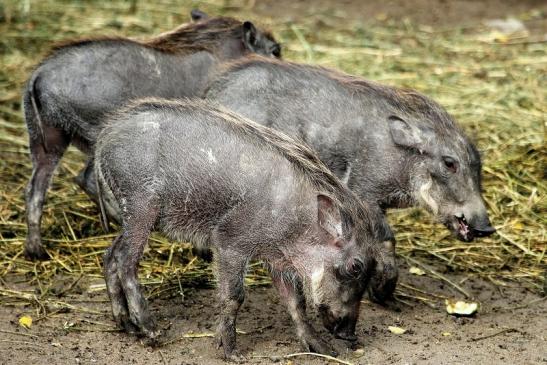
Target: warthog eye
352, 270
450, 164
276, 51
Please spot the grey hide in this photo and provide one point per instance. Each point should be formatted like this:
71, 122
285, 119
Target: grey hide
201, 174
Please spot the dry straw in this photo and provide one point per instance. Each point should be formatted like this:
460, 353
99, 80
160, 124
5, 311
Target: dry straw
494, 87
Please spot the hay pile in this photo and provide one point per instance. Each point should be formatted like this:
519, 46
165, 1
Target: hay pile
494, 85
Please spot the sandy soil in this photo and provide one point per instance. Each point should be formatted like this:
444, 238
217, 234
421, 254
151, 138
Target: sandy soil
511, 327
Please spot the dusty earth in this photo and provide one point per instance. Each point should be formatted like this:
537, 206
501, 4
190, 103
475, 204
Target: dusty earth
511, 327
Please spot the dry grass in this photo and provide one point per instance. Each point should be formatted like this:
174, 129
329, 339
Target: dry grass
495, 89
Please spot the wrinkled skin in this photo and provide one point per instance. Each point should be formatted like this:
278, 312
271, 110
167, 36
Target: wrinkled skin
71, 91
196, 173
394, 148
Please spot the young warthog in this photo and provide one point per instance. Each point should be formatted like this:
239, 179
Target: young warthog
393, 147
203, 174
70, 92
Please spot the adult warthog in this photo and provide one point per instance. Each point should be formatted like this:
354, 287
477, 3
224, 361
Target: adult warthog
394, 147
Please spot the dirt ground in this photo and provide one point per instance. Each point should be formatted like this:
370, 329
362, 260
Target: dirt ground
509, 328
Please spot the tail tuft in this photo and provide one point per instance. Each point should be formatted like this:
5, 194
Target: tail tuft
34, 103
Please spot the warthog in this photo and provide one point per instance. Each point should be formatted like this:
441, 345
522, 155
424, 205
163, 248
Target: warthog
393, 147
202, 174
71, 91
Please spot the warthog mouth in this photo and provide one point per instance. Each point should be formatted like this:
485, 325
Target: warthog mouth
461, 228
466, 231
342, 328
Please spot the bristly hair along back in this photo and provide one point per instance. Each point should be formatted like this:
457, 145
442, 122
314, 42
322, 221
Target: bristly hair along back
206, 35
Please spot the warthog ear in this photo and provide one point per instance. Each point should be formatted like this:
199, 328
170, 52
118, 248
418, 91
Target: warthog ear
198, 15
330, 219
276, 50
249, 35
406, 135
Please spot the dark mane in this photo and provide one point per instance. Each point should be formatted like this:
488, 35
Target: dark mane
407, 100
205, 35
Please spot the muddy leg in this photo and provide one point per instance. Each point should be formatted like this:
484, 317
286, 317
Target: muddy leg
127, 253
231, 273
292, 295
44, 163
115, 290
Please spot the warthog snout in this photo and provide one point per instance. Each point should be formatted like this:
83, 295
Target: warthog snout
340, 327
481, 226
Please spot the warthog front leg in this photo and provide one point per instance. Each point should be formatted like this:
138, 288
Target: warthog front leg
293, 297
231, 273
